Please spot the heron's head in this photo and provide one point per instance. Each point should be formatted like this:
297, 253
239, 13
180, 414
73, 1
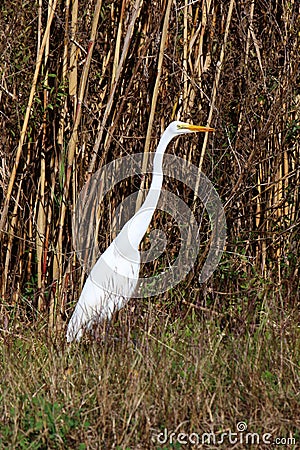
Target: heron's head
178, 128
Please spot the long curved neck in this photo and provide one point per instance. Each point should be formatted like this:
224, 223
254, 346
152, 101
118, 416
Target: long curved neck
138, 224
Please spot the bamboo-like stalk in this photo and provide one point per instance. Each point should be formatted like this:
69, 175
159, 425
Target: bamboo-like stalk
157, 81
279, 183
116, 60
73, 54
246, 59
118, 44
201, 64
216, 83
285, 168
41, 215
25, 123
52, 293
214, 92
185, 57
57, 264
30, 247
11, 235
258, 197
136, 11
255, 42
249, 32
39, 28
61, 131
154, 98
73, 66
40, 232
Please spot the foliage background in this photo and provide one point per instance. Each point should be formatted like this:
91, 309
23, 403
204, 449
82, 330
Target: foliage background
232, 64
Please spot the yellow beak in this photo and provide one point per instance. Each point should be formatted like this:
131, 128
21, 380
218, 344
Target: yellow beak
199, 128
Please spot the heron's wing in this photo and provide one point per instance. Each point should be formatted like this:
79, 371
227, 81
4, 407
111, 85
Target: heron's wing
109, 286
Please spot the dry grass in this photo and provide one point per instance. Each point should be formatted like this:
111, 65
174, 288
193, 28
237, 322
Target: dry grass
199, 358
152, 371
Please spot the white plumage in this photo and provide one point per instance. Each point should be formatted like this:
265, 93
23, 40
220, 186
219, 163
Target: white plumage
113, 279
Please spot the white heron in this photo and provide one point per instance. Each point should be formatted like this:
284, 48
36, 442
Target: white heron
113, 279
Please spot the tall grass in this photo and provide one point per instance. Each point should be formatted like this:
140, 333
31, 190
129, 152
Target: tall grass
153, 370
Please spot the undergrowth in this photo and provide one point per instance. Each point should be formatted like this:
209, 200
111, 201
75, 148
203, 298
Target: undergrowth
150, 374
